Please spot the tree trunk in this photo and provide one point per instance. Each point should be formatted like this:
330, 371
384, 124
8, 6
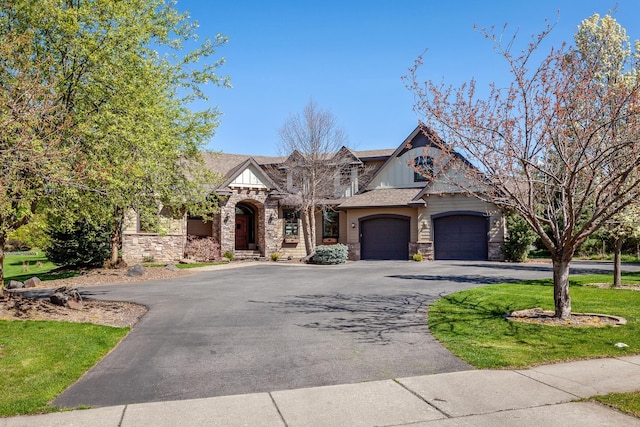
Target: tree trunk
561, 297
617, 263
116, 235
306, 231
3, 240
312, 228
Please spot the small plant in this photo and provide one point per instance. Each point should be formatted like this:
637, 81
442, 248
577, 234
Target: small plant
417, 257
330, 254
148, 259
275, 256
229, 255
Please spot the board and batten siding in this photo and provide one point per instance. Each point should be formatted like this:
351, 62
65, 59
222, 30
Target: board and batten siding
399, 171
437, 204
249, 178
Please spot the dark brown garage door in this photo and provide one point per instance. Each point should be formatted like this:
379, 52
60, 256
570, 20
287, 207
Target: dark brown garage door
384, 237
460, 237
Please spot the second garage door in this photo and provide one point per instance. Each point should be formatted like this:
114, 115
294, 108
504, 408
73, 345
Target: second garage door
384, 237
460, 237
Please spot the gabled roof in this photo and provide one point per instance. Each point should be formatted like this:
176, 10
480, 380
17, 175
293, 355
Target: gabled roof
393, 155
232, 174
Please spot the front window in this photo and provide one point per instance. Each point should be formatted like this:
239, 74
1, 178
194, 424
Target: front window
291, 230
423, 169
330, 225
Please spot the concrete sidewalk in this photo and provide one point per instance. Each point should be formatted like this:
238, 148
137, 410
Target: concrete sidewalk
545, 395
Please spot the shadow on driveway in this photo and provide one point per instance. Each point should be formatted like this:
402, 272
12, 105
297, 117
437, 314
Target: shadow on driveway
375, 319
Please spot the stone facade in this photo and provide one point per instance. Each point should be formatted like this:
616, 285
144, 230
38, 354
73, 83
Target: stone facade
152, 248
495, 251
266, 223
423, 248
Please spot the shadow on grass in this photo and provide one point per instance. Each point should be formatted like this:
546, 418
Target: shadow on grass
43, 276
475, 279
376, 319
464, 314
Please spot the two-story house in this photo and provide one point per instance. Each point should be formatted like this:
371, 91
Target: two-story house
388, 204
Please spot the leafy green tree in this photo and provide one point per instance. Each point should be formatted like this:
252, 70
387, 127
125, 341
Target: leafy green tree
35, 139
519, 239
80, 244
559, 145
31, 235
125, 74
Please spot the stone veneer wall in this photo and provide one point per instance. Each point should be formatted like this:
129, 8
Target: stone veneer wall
423, 248
137, 248
495, 251
266, 218
354, 251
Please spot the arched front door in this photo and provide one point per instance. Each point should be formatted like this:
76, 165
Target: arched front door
245, 227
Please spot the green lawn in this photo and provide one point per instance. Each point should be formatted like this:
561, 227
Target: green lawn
471, 324
35, 265
38, 360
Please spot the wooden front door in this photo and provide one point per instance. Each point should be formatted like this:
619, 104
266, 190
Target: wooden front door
242, 232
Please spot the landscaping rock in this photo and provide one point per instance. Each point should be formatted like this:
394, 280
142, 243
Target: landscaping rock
136, 271
171, 267
32, 283
14, 284
67, 297
188, 261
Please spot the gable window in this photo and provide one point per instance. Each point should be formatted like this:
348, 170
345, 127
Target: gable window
423, 169
291, 230
330, 225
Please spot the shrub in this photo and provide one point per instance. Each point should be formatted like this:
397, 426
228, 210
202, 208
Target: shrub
202, 249
229, 255
330, 254
519, 239
275, 256
417, 257
80, 244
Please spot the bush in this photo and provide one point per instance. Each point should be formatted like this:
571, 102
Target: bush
81, 244
202, 249
229, 255
519, 239
275, 256
330, 254
417, 257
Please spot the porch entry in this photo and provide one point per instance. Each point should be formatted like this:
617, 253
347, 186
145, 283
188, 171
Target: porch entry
245, 227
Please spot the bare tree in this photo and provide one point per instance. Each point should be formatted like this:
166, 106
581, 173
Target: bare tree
315, 144
559, 145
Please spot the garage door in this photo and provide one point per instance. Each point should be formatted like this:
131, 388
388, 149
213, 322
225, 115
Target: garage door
460, 237
384, 237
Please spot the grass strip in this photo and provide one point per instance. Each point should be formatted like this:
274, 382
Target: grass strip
38, 360
472, 325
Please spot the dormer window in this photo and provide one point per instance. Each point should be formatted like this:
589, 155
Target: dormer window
423, 169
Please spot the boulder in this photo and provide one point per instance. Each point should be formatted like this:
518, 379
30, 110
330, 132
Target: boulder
14, 284
67, 297
32, 283
188, 261
171, 267
136, 271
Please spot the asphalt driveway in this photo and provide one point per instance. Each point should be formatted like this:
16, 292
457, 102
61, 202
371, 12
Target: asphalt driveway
271, 327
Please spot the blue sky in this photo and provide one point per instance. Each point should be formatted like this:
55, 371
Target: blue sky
349, 56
